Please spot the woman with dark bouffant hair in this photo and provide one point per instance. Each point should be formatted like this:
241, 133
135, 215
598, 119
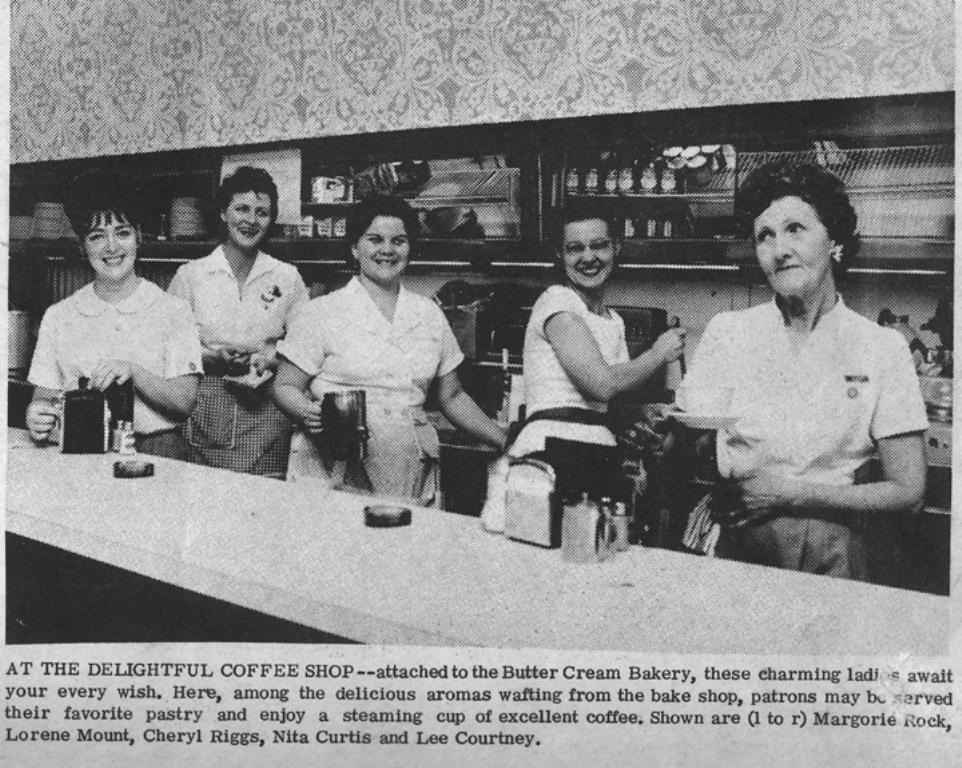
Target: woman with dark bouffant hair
377, 336
242, 299
818, 390
117, 328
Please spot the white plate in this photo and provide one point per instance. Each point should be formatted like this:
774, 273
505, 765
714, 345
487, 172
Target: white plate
703, 420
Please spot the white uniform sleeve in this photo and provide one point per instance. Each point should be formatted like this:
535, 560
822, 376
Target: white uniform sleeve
304, 345
44, 369
450, 355
900, 408
711, 364
554, 300
182, 355
299, 297
179, 285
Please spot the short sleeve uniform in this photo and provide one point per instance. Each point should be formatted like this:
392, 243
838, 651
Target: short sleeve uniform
232, 427
814, 413
344, 342
150, 328
546, 384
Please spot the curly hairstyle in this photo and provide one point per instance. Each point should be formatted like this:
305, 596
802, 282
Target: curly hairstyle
96, 192
247, 179
822, 190
364, 212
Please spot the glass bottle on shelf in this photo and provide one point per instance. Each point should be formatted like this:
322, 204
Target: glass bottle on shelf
668, 180
591, 181
626, 179
571, 181
648, 182
611, 181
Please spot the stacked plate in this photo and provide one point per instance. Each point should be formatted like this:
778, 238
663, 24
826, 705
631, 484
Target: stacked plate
186, 219
50, 222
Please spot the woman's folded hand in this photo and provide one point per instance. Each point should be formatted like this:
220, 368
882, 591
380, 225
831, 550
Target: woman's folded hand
109, 372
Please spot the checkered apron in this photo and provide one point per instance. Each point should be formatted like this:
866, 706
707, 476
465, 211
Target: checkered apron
238, 429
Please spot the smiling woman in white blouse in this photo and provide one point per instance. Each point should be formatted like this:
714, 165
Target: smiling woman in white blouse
375, 335
118, 328
242, 299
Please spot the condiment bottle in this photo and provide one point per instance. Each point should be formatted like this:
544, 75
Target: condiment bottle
668, 183
504, 412
124, 441
571, 181
620, 526
649, 179
626, 180
611, 181
591, 181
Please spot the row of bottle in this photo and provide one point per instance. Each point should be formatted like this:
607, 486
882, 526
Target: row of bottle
674, 170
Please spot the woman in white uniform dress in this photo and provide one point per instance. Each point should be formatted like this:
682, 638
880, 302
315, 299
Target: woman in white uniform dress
817, 388
375, 335
243, 300
575, 355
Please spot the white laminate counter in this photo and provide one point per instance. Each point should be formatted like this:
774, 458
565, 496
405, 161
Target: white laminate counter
303, 554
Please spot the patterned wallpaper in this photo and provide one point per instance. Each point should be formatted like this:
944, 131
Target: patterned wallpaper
93, 77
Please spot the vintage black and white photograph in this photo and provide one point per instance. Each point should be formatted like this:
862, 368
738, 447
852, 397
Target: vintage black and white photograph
588, 326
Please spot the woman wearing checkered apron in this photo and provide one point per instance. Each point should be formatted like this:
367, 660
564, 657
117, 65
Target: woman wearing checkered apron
375, 335
242, 299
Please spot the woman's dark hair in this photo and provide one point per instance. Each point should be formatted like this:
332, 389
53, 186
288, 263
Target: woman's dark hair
247, 179
364, 212
100, 192
568, 215
822, 190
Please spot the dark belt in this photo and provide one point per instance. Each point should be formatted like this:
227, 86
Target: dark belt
570, 415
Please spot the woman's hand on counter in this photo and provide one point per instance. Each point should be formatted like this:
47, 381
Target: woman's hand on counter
42, 416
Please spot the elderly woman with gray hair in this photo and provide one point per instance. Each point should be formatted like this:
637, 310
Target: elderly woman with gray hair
818, 390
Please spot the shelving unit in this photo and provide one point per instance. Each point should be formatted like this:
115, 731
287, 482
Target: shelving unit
915, 163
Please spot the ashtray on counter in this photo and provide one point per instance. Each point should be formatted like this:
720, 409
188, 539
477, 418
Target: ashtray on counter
133, 468
386, 516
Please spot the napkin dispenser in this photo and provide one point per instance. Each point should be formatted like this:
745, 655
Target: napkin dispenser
532, 508
91, 416
86, 421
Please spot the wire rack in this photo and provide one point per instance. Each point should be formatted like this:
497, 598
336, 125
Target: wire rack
918, 168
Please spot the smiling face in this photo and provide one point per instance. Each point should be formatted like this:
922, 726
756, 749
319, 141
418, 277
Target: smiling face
110, 246
794, 249
382, 251
588, 254
248, 218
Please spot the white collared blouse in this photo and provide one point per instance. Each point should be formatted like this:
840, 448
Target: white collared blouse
150, 328
344, 341
815, 412
247, 317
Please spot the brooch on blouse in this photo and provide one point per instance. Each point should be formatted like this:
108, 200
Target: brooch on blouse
268, 296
